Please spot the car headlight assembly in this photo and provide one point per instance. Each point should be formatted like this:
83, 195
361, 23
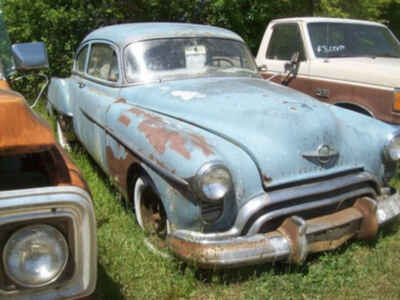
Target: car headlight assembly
214, 182
391, 151
35, 256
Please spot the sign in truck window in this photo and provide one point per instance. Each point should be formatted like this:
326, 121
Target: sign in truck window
352, 40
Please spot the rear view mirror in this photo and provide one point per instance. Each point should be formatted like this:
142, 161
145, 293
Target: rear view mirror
30, 56
262, 68
292, 65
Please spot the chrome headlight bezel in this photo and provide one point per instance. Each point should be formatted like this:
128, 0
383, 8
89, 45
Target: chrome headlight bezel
41, 229
214, 193
391, 150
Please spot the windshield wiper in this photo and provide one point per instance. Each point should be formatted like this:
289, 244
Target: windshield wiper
235, 69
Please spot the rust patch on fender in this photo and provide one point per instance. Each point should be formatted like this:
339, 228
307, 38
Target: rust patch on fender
266, 179
200, 142
161, 164
119, 167
124, 120
120, 100
159, 135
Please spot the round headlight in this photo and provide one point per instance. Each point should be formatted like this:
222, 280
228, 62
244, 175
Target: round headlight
392, 149
35, 256
214, 181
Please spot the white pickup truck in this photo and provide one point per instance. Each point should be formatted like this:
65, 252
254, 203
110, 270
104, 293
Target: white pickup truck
351, 63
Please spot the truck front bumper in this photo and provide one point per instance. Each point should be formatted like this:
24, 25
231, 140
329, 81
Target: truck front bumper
292, 241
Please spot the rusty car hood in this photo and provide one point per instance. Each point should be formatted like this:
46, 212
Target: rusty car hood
21, 129
278, 126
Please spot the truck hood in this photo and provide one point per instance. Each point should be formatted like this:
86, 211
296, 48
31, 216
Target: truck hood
275, 124
21, 130
380, 71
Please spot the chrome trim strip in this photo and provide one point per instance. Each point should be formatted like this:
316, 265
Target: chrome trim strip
255, 228
147, 161
54, 202
316, 188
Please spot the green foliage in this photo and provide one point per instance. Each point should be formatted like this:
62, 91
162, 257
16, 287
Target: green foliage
62, 24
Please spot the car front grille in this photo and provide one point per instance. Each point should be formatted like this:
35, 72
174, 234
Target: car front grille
311, 198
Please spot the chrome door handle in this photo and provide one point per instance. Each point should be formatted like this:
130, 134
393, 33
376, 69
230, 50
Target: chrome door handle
81, 84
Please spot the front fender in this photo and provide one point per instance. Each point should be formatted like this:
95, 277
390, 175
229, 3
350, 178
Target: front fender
181, 149
365, 137
59, 95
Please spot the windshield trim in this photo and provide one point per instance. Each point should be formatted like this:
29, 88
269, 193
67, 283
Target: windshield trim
172, 78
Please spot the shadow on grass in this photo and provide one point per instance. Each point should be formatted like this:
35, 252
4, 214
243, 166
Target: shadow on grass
106, 288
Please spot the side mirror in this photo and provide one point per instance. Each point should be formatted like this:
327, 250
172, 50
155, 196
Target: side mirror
292, 65
262, 68
30, 56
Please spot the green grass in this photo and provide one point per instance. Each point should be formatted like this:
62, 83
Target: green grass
127, 270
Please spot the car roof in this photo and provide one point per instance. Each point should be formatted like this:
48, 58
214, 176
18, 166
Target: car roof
124, 34
321, 19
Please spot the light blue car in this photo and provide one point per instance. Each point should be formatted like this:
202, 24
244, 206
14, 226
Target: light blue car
221, 166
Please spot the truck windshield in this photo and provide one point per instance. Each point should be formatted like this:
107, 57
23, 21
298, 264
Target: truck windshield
174, 58
352, 40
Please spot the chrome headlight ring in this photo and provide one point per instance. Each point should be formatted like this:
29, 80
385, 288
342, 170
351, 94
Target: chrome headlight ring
391, 151
213, 181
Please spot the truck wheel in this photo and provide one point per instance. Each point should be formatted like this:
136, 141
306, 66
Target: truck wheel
61, 136
150, 215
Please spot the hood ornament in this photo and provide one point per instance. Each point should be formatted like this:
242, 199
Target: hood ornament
324, 156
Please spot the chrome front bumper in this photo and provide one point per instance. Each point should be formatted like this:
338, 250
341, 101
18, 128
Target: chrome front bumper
292, 241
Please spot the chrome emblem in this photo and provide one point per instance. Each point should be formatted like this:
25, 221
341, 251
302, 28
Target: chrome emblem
324, 155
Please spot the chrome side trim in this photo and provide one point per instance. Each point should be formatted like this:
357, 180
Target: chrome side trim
147, 161
54, 202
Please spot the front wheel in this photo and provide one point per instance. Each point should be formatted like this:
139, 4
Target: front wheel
150, 215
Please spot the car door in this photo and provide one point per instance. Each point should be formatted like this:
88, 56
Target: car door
96, 90
286, 40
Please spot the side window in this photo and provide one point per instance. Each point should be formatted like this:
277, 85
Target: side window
285, 41
103, 63
81, 60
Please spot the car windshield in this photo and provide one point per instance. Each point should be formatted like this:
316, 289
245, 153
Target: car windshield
174, 58
352, 40
6, 60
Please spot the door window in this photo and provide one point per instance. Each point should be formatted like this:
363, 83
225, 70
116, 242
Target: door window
103, 63
285, 41
81, 60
